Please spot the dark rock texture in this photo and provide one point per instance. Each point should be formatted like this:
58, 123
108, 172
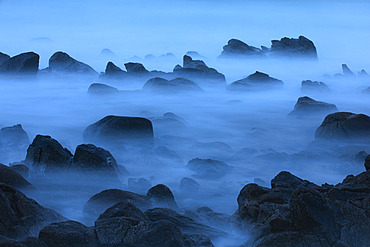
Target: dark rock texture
296, 212
314, 86
25, 63
20, 216
62, 62
10, 177
68, 233
162, 196
113, 71
256, 81
113, 130
208, 168
3, 58
347, 71
290, 47
178, 85
306, 106
136, 68
237, 48
46, 153
345, 126
101, 89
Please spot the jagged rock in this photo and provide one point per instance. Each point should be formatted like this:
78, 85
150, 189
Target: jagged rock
258, 80
237, 48
311, 86
14, 137
189, 185
117, 130
186, 224
140, 185
208, 168
25, 63
307, 106
47, 153
344, 125
160, 85
68, 233
21, 216
23, 170
290, 47
347, 71
162, 196
101, 89
98, 203
3, 58
62, 62
197, 70
10, 177
113, 71
286, 180
136, 69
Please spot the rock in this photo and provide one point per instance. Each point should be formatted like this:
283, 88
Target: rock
117, 130
168, 123
47, 153
107, 52
124, 209
312, 86
63, 63
347, 71
367, 163
307, 106
197, 240
12, 178
101, 89
98, 203
3, 58
345, 126
258, 80
21, 216
140, 185
237, 48
290, 47
28, 242
208, 217
14, 137
363, 74
160, 85
186, 224
189, 185
21, 169
136, 69
208, 168
197, 70
68, 233
25, 63
286, 180
162, 196
113, 71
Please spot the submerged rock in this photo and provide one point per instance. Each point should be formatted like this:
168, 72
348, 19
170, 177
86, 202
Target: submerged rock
25, 63
258, 80
160, 85
101, 89
63, 63
14, 137
347, 71
344, 126
139, 185
189, 185
208, 168
312, 86
307, 106
118, 130
162, 196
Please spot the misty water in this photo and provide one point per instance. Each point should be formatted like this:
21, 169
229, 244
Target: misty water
250, 131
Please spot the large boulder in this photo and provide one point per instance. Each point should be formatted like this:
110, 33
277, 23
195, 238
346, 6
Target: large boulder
63, 63
291, 47
178, 85
162, 196
314, 86
25, 63
237, 48
47, 153
307, 106
208, 168
345, 126
68, 233
10, 177
20, 216
117, 130
256, 81
101, 89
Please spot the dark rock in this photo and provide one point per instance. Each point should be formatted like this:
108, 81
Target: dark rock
25, 63
286, 180
308, 106
208, 217
3, 58
290, 47
47, 153
124, 209
136, 69
344, 125
347, 71
101, 89
23, 170
258, 80
62, 62
162, 196
98, 203
367, 163
117, 130
189, 185
237, 48
68, 233
113, 71
14, 137
177, 85
208, 168
21, 216
197, 240
186, 224
10, 177
140, 185
311, 86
